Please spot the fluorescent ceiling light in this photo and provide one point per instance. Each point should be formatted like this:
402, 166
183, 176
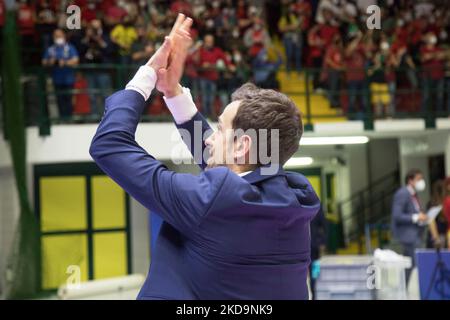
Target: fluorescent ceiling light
298, 162
317, 141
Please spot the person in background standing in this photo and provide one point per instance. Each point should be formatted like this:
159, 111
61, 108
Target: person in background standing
355, 61
334, 65
256, 37
438, 226
446, 208
123, 35
26, 21
142, 49
210, 57
62, 56
97, 48
432, 58
408, 218
319, 232
46, 22
289, 26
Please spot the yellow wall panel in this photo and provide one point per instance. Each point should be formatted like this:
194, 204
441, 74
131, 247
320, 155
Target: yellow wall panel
315, 183
108, 203
63, 203
110, 254
59, 252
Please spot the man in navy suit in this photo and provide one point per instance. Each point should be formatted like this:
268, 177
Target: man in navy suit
408, 219
238, 230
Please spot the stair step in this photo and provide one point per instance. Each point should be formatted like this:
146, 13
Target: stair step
320, 107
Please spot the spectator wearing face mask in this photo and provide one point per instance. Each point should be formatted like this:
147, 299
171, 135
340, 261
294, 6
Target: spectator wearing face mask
256, 37
46, 22
355, 61
97, 48
334, 65
210, 58
62, 56
381, 76
408, 218
319, 38
433, 63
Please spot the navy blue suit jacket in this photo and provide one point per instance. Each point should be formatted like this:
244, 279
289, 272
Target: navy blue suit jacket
403, 227
223, 236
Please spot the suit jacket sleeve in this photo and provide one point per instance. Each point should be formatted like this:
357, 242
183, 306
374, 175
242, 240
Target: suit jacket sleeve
193, 127
181, 199
398, 209
194, 133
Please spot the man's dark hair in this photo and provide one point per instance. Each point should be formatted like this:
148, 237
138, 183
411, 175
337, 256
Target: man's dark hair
411, 174
269, 109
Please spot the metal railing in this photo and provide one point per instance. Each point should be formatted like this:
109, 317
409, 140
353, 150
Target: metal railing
410, 100
368, 209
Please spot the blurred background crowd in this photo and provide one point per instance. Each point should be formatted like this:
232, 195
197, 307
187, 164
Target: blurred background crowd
402, 66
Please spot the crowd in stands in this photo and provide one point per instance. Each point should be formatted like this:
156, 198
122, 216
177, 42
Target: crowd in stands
372, 69
404, 66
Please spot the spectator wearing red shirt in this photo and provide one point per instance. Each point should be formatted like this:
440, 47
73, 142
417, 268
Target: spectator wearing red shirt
315, 44
355, 61
433, 65
304, 10
89, 12
26, 19
2, 13
210, 58
181, 6
334, 64
319, 38
256, 37
191, 68
104, 5
114, 14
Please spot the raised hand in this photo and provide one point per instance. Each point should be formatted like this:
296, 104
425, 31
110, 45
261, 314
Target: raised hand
169, 76
160, 58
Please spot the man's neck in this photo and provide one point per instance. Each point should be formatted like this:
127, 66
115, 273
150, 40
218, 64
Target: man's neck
242, 169
411, 189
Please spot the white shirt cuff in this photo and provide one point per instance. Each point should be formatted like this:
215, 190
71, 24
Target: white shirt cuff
415, 218
182, 106
144, 81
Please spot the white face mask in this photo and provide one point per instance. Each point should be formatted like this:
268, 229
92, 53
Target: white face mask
433, 40
60, 41
420, 185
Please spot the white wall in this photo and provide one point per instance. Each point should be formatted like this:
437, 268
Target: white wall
384, 157
9, 213
415, 151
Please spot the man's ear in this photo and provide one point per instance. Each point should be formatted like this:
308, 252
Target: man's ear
242, 147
